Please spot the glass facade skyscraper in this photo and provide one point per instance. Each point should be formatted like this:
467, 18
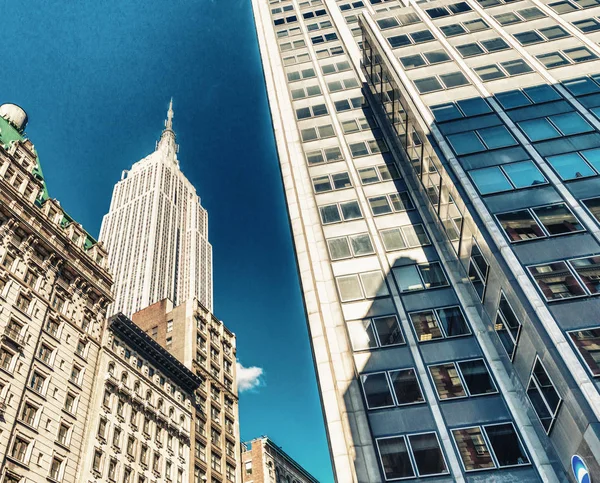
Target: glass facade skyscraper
441, 167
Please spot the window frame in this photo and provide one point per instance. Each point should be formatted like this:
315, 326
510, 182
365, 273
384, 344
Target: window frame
439, 323
578, 350
421, 277
462, 379
541, 393
499, 313
370, 321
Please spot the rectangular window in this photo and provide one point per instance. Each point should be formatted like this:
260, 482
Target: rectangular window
420, 277
397, 454
478, 270
489, 446
391, 388
37, 382
375, 332
507, 326
556, 281
331, 182
439, 324
350, 246
462, 379
403, 237
587, 342
360, 286
543, 395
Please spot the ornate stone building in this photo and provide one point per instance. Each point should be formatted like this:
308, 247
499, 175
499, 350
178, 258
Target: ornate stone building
265, 462
141, 416
192, 334
54, 290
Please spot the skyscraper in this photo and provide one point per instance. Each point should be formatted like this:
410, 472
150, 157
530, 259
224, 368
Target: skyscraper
156, 233
440, 164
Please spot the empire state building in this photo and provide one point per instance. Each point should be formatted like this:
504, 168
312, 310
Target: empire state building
156, 233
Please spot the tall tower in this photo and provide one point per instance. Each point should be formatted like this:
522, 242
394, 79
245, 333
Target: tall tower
440, 161
156, 233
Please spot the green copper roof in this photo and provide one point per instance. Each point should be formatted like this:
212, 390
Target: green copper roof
8, 134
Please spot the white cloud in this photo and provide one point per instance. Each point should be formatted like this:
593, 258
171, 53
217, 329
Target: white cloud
249, 378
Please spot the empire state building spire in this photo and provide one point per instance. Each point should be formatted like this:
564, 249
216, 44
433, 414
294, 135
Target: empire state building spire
167, 138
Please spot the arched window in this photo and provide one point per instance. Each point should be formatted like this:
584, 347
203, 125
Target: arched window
124, 378
171, 412
182, 421
111, 369
136, 387
149, 396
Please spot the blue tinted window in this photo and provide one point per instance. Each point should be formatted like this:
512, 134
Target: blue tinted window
474, 106
490, 180
399, 41
496, 137
465, 143
543, 93
571, 123
570, 166
445, 112
512, 99
524, 174
421, 36
539, 129
428, 84
450, 30
593, 157
596, 111
579, 87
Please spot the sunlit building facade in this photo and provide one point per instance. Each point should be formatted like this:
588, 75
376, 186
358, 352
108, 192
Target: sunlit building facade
156, 233
440, 162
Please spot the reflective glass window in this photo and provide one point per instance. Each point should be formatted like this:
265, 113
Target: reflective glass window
490, 180
593, 205
592, 156
557, 219
412, 61
477, 377
447, 381
556, 281
453, 79
489, 72
529, 37
468, 50
451, 30
339, 248
538, 129
516, 67
377, 390
474, 106
427, 84
570, 166
465, 143
580, 54
552, 59
496, 137
571, 123
520, 225
506, 445
395, 458
507, 326
587, 342
541, 93
588, 270
436, 56
512, 99
524, 174
473, 449
495, 44
554, 32
350, 210
427, 454
445, 112
406, 387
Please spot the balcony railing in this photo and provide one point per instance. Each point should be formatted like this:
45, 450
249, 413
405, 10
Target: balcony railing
14, 336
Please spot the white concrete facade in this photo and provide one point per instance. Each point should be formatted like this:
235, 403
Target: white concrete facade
156, 233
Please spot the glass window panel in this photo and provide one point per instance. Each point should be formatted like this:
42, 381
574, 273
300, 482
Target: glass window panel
388, 330
333, 154
476, 25
506, 445
412, 61
468, 50
476, 377
377, 390
459, 7
339, 248
406, 387
524, 174
452, 30
401, 201
427, 84
588, 270
489, 72
580, 54
293, 76
359, 149
408, 278
490, 180
556, 281
570, 166
474, 106
341, 181
380, 205
454, 79
465, 143
387, 23
587, 342
350, 210
496, 137
553, 59
558, 219
361, 244
349, 288
520, 225
368, 175
538, 129
374, 284
329, 214
362, 335
421, 36
512, 99
571, 123
321, 184
392, 239
541, 93
426, 326
582, 86
445, 112
593, 205
447, 381
529, 37
453, 321
507, 326
587, 25
309, 134
562, 7
314, 157
399, 41
531, 13
437, 12
394, 458
350, 126
554, 32
436, 56
592, 156
495, 44
388, 172
433, 275
516, 67
473, 449
427, 453
507, 18
313, 90
303, 113
415, 235
319, 110
342, 105
334, 86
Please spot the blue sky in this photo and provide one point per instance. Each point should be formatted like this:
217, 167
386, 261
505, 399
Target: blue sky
95, 79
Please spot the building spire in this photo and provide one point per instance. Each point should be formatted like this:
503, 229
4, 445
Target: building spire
167, 138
